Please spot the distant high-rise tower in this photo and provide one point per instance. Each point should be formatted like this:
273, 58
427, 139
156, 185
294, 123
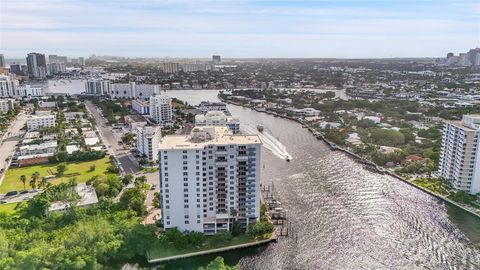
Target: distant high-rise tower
2, 61
450, 54
216, 59
37, 66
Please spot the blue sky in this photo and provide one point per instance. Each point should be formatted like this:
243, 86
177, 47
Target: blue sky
239, 28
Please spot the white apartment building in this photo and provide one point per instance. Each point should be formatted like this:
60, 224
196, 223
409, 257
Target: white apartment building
206, 106
161, 109
460, 156
208, 179
6, 104
218, 118
148, 140
98, 87
29, 91
141, 106
132, 90
35, 122
8, 86
170, 67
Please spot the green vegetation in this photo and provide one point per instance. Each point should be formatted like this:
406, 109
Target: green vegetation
103, 236
465, 198
9, 208
218, 264
112, 110
435, 185
80, 170
387, 137
173, 242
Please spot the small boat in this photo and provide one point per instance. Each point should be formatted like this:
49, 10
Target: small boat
287, 158
260, 128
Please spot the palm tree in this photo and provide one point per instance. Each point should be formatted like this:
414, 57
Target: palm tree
23, 178
33, 180
43, 183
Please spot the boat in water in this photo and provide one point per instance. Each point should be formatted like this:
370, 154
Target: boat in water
287, 158
260, 128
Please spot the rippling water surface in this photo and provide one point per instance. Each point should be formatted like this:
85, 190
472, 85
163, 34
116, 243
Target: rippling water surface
347, 217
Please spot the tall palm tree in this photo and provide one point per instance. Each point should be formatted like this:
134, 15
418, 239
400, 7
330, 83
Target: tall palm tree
23, 178
43, 182
33, 180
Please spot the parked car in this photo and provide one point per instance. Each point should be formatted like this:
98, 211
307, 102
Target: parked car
11, 193
24, 191
153, 187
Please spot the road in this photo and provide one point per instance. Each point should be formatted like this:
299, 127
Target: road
110, 139
10, 140
20, 197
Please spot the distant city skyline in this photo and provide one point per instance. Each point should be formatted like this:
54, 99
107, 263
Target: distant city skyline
239, 29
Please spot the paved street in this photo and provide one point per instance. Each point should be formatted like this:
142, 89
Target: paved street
9, 141
20, 197
110, 139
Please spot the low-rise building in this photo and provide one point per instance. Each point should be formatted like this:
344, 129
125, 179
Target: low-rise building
35, 122
218, 118
148, 140
87, 194
141, 106
206, 106
37, 149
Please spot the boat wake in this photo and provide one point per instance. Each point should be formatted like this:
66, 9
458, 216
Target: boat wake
269, 142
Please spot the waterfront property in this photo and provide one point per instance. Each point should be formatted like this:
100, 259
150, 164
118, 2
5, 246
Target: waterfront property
218, 118
459, 160
209, 179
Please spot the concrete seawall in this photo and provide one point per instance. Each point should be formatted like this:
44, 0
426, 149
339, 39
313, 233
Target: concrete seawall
370, 165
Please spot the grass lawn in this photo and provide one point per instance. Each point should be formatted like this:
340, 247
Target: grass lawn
160, 251
8, 208
80, 170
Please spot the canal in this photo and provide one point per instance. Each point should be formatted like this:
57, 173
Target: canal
346, 217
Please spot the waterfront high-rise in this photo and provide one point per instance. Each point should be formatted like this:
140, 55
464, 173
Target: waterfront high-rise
218, 118
161, 109
8, 87
37, 66
209, 179
97, 87
2, 61
460, 157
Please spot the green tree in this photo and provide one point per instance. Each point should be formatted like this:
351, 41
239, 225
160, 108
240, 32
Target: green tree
140, 181
156, 200
23, 179
61, 168
218, 264
133, 198
128, 138
92, 167
34, 179
127, 179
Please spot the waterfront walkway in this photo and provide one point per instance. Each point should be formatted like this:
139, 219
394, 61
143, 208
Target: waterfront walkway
211, 251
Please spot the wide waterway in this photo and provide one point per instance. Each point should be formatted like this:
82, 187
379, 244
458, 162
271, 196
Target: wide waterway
346, 217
